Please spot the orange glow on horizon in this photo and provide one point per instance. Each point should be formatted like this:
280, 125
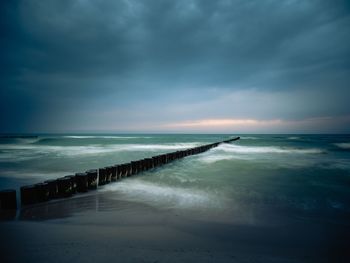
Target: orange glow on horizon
212, 123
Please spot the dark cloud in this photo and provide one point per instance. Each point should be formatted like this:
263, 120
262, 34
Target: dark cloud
85, 58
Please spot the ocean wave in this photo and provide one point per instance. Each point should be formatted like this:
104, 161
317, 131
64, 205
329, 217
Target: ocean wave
35, 174
21, 152
264, 149
293, 138
9, 156
154, 193
105, 137
212, 158
335, 204
154, 147
249, 138
343, 145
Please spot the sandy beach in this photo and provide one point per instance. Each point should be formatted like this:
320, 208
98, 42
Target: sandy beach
98, 227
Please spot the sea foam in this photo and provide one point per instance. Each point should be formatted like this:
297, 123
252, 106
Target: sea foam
343, 145
105, 137
238, 152
264, 149
21, 152
153, 193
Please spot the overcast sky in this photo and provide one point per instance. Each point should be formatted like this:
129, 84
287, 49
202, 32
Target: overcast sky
175, 66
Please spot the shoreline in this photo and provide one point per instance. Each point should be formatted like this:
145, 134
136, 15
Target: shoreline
109, 230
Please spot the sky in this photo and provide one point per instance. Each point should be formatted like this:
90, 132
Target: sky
175, 66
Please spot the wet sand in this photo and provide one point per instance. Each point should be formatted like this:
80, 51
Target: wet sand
98, 228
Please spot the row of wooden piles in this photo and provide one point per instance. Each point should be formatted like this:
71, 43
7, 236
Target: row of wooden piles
90, 180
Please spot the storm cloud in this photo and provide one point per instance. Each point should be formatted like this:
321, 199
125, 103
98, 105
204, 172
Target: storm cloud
149, 66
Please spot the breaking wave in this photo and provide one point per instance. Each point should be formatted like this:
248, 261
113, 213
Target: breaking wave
105, 137
293, 138
153, 193
22, 152
343, 145
264, 149
237, 152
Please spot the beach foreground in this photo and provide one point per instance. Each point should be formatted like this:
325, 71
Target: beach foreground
99, 228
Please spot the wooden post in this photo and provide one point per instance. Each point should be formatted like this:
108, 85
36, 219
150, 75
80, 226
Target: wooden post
28, 195
134, 169
119, 172
155, 161
53, 191
101, 176
82, 182
128, 169
122, 170
150, 163
8, 199
92, 179
42, 192
141, 165
64, 187
108, 174
114, 173
73, 182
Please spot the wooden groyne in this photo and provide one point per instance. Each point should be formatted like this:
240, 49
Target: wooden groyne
92, 179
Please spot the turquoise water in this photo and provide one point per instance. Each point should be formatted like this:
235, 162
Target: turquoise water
306, 175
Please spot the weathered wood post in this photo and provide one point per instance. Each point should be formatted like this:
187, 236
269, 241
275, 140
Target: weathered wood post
73, 182
53, 191
138, 167
163, 158
42, 192
101, 176
64, 187
92, 179
82, 182
150, 163
114, 173
155, 161
8, 199
141, 165
121, 169
134, 169
28, 195
109, 174
128, 168
118, 171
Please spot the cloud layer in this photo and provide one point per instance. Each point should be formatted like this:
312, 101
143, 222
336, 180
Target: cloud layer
142, 65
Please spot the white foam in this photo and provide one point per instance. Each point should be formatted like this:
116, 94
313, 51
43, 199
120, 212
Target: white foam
34, 174
249, 138
154, 147
230, 148
160, 194
335, 204
105, 137
220, 157
343, 145
237, 152
293, 138
20, 152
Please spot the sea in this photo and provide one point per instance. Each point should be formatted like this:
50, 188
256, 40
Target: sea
257, 179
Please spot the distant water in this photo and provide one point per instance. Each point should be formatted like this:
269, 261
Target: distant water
305, 175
